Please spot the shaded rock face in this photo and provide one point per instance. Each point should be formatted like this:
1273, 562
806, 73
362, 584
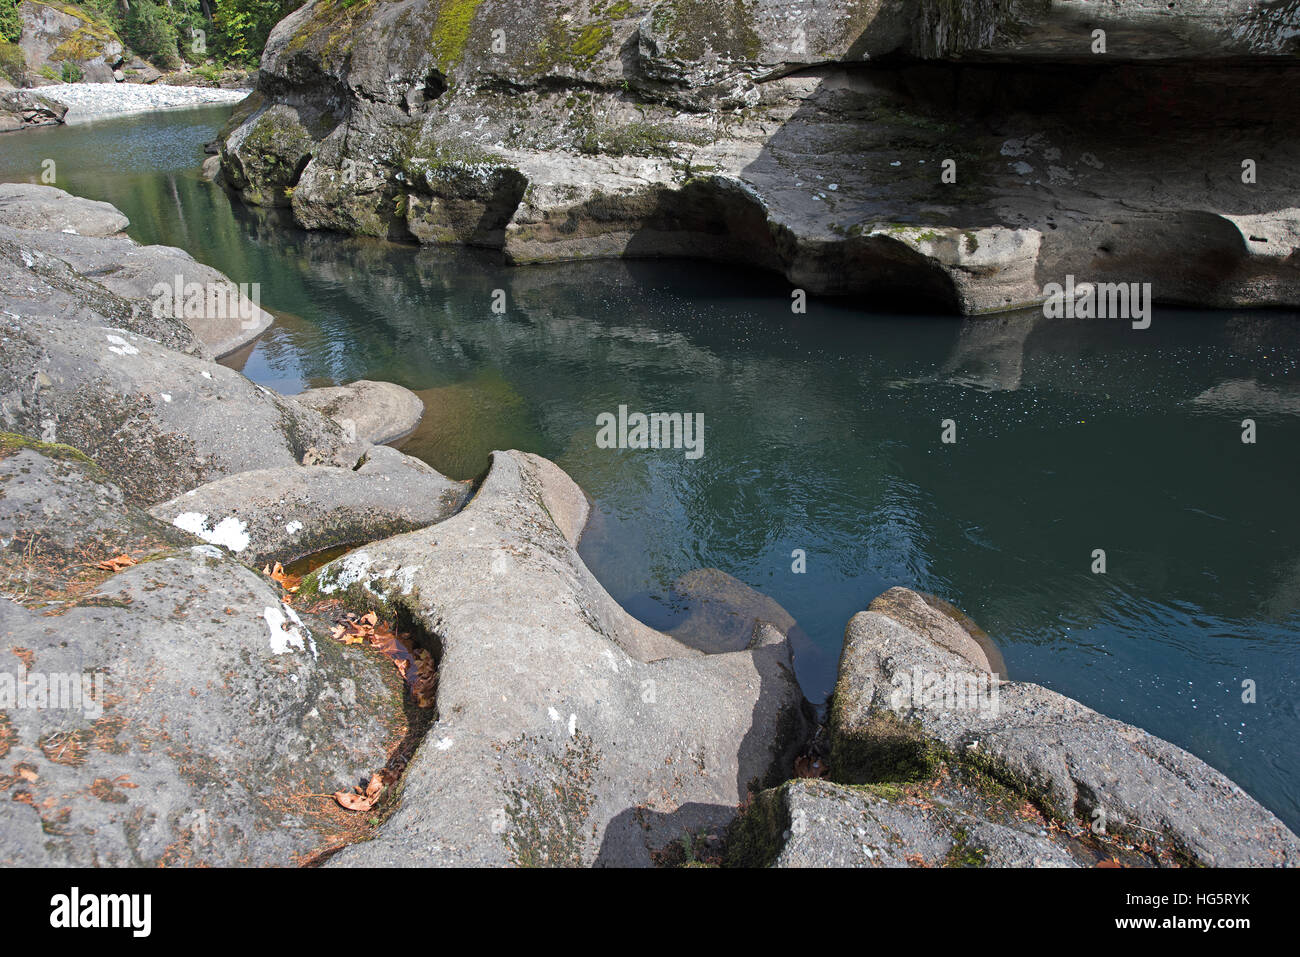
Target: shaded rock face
912, 704
812, 823
810, 141
567, 732
193, 720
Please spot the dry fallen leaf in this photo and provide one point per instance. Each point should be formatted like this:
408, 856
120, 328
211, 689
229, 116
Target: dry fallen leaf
289, 583
422, 679
356, 800
116, 564
810, 766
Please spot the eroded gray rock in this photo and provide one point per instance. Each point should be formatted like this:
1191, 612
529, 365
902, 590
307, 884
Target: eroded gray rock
27, 206
282, 514
159, 422
680, 128
374, 412
568, 733
1080, 766
813, 823
55, 34
167, 282
174, 713
24, 109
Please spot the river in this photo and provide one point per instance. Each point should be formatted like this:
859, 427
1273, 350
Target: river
823, 434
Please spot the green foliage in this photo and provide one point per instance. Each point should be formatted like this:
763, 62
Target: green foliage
70, 72
10, 22
242, 26
151, 32
12, 62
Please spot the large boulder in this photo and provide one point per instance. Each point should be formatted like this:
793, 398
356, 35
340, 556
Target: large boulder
912, 697
568, 733
175, 712
57, 33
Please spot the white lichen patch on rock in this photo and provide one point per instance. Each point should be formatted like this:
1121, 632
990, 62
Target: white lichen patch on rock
230, 533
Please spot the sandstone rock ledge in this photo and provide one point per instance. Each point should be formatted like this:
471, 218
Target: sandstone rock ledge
808, 139
1039, 781
210, 719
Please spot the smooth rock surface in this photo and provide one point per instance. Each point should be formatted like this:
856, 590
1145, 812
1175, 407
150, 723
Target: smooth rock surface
27, 206
567, 732
223, 315
376, 412
282, 514
159, 422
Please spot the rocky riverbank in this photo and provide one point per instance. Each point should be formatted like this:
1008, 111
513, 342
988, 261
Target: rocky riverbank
145, 490
99, 100
962, 155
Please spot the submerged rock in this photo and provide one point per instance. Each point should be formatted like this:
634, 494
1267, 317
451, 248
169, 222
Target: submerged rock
568, 733
375, 412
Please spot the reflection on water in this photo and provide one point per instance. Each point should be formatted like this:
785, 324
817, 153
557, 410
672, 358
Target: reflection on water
822, 434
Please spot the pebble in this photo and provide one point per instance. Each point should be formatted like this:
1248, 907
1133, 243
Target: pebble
87, 100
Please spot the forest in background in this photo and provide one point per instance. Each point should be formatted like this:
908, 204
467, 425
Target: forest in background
170, 32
